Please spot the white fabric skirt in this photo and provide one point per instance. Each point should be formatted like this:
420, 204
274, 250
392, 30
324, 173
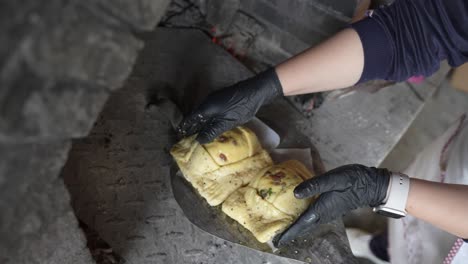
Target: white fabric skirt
413, 241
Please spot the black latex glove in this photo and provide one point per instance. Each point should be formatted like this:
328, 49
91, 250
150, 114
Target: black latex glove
230, 107
341, 190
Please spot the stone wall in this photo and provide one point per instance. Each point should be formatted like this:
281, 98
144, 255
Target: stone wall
59, 60
262, 33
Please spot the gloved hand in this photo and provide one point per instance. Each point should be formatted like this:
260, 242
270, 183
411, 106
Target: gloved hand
341, 190
232, 106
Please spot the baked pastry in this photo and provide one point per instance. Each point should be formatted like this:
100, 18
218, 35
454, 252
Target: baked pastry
267, 206
219, 168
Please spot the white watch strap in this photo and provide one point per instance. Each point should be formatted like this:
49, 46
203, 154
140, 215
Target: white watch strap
397, 194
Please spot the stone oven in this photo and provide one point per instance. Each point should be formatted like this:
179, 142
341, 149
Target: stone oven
90, 92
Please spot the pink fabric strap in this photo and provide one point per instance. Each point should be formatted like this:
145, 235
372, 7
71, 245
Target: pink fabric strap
453, 252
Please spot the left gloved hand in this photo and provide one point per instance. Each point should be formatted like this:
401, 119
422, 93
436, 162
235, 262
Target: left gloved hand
232, 106
341, 190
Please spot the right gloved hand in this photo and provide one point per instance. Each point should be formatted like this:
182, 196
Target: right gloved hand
341, 190
230, 107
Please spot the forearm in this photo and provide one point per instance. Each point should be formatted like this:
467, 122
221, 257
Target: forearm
408, 38
443, 205
336, 63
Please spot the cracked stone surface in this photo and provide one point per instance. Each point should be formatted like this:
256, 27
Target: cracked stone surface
119, 175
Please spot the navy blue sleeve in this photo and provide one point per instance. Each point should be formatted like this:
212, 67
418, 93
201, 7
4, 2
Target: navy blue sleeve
411, 37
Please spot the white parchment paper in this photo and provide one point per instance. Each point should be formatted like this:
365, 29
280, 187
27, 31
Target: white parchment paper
270, 140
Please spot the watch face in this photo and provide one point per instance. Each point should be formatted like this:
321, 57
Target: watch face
389, 214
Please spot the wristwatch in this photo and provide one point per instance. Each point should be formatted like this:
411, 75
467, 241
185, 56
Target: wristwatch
394, 204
